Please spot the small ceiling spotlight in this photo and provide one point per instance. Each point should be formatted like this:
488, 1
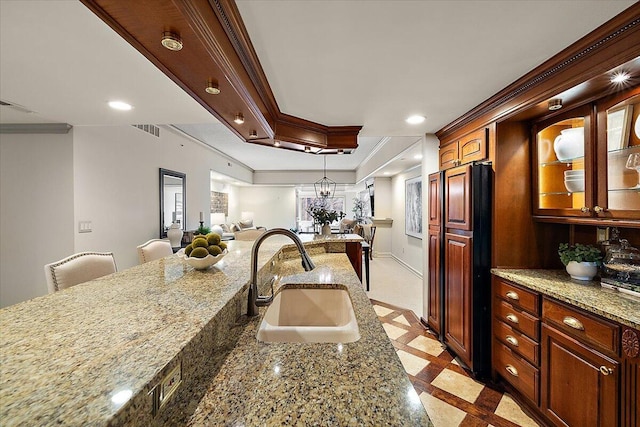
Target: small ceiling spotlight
307, 149
212, 88
340, 151
555, 104
415, 120
171, 41
239, 119
119, 105
276, 144
253, 134
620, 77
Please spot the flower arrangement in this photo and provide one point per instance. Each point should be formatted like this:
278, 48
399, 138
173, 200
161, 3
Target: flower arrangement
579, 253
322, 212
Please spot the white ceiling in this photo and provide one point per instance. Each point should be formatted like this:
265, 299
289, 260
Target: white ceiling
370, 63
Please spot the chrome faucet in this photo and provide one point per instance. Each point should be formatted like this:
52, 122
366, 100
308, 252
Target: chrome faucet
256, 300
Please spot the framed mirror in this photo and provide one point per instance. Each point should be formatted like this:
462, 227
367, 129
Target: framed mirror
173, 191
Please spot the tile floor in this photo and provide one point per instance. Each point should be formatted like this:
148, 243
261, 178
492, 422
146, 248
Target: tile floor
448, 393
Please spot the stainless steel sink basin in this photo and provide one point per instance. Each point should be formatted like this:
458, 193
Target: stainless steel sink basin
310, 315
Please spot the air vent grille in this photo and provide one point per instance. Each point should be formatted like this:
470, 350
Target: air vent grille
151, 129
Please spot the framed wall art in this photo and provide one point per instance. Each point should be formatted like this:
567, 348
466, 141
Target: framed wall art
413, 207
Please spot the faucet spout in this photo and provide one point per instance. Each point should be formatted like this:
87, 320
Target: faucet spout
255, 299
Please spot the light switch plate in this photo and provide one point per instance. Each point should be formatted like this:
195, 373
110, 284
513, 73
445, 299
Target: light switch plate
84, 227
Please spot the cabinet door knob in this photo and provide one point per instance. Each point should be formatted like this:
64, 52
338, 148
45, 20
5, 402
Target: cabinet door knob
598, 209
512, 318
513, 295
584, 209
574, 323
512, 370
511, 340
606, 371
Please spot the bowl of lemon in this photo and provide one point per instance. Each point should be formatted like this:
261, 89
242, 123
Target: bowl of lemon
205, 251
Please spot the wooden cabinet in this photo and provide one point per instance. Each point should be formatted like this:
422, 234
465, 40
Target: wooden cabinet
470, 148
434, 318
435, 196
582, 161
618, 157
434, 261
458, 299
580, 386
457, 198
571, 367
516, 338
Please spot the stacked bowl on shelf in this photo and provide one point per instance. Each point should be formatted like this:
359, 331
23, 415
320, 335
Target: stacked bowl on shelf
574, 180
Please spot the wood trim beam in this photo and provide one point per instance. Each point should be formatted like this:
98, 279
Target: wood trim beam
217, 47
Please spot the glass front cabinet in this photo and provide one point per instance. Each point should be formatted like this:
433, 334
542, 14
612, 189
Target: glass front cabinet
587, 161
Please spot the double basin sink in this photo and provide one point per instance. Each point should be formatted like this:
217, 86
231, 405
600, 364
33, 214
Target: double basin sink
308, 313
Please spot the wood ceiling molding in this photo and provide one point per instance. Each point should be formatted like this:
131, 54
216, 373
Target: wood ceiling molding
217, 47
614, 43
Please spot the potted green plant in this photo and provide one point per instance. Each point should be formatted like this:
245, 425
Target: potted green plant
581, 261
323, 214
203, 229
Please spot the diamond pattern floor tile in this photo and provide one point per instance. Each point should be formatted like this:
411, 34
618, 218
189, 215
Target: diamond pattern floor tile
450, 396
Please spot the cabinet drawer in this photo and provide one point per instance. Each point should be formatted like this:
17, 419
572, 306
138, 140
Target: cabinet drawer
517, 319
517, 296
517, 371
583, 326
521, 344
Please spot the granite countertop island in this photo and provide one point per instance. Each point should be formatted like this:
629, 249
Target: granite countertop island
588, 295
98, 353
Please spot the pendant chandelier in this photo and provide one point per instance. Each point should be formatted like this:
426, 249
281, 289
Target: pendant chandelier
325, 187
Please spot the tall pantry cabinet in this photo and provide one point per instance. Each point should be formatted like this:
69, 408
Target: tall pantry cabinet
459, 259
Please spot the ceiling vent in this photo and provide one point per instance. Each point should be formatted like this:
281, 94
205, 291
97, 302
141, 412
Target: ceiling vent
151, 129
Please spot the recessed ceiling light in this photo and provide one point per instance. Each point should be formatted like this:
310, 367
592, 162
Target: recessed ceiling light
276, 144
554, 104
307, 149
253, 134
171, 41
414, 120
239, 119
340, 151
212, 88
620, 77
119, 105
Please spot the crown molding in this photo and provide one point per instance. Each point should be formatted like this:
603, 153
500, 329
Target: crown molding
51, 128
615, 42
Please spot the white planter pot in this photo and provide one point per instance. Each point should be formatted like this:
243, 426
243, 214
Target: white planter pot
174, 233
582, 270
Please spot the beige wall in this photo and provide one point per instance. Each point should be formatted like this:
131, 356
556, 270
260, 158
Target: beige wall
36, 211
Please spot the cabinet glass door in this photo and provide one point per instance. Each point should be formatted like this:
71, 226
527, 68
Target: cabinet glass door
622, 189
563, 187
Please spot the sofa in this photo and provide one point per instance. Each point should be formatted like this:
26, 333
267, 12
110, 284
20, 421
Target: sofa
241, 230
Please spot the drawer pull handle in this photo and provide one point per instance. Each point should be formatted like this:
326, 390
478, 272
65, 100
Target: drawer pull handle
512, 340
512, 318
513, 295
606, 371
574, 323
512, 370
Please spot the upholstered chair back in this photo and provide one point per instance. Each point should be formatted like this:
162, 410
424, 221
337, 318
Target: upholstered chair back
154, 249
78, 268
